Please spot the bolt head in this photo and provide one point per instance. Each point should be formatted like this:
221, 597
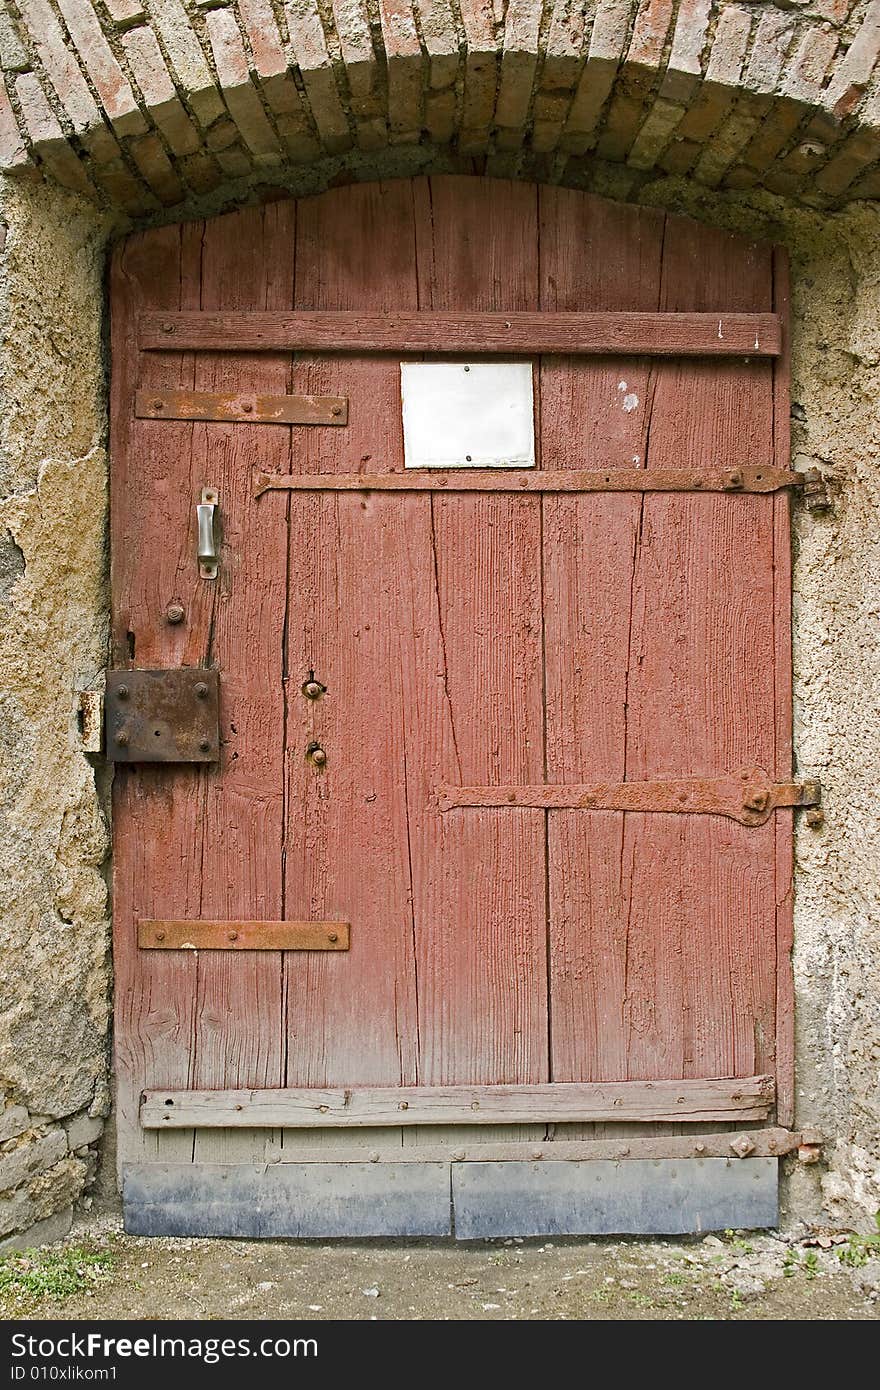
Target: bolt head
122, 738
175, 613
247, 407
157, 404
319, 757
313, 690
332, 936
122, 692
205, 745
201, 691
233, 935
160, 936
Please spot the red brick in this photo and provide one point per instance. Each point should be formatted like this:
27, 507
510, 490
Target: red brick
159, 93
853, 73
59, 64
260, 25
404, 57
518, 63
126, 12
310, 48
94, 51
241, 96
48, 137
149, 155
13, 151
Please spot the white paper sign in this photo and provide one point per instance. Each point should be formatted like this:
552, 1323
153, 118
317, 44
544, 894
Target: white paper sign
468, 414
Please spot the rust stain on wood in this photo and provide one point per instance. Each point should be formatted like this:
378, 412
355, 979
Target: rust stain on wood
161, 935
748, 797
469, 333
241, 406
732, 480
727, 1098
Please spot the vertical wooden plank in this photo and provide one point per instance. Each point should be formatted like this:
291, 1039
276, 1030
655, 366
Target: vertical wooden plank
783, 701
479, 877
155, 810
701, 982
351, 1019
247, 263
594, 256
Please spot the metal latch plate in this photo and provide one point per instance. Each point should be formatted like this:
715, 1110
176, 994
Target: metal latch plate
163, 716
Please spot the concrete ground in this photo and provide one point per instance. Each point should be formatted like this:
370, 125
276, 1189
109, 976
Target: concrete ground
803, 1275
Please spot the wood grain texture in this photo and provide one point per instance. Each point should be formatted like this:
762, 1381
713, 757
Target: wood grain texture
700, 696
783, 700
235, 935
547, 480
156, 810
245, 406
479, 886
744, 1098
247, 262
352, 1019
453, 331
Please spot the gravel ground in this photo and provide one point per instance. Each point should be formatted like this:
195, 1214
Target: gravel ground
739, 1276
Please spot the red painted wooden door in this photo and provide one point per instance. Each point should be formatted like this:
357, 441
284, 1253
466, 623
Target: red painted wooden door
461, 639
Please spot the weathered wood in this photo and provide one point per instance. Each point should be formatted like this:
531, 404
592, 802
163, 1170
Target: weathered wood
741, 1098
699, 892
736, 1144
351, 1018
157, 811
254, 1200
782, 698
237, 1036
242, 936
588, 556
720, 334
733, 480
749, 797
241, 405
664, 1197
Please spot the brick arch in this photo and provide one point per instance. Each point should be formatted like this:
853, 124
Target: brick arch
151, 103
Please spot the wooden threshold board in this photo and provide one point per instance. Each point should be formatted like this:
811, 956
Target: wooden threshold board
772, 1142
739, 1098
522, 332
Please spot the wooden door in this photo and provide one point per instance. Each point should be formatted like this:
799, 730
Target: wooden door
510, 966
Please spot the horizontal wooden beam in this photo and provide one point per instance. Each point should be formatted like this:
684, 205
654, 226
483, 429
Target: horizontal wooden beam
240, 407
467, 334
735, 480
741, 1143
739, 1098
156, 935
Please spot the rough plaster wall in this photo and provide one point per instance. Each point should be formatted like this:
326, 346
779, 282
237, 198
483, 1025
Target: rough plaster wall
53, 605
54, 975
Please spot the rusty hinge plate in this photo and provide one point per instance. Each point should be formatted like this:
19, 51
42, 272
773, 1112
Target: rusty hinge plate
749, 796
241, 406
163, 716
242, 936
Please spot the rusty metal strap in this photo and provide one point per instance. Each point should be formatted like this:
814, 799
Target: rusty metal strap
749, 796
731, 480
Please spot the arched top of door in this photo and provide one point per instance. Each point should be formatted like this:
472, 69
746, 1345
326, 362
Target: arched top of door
152, 105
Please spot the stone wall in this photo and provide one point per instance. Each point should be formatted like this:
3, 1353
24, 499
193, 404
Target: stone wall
54, 971
413, 94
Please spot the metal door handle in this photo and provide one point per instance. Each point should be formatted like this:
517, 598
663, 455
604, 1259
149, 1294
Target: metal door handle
207, 549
